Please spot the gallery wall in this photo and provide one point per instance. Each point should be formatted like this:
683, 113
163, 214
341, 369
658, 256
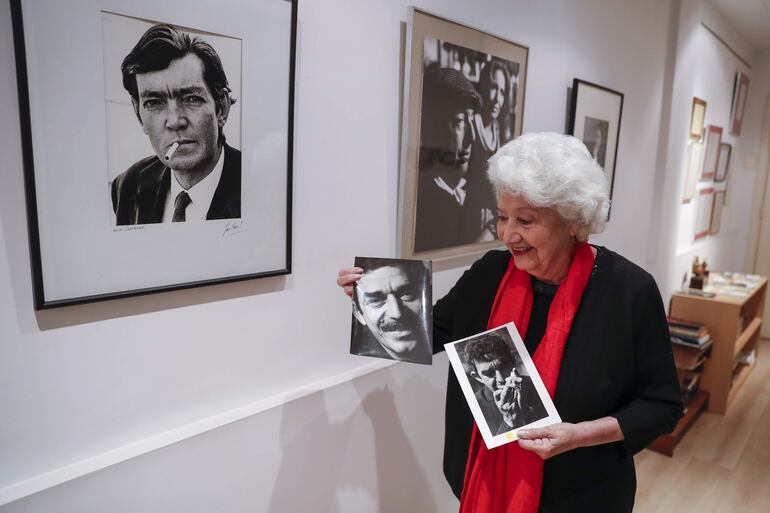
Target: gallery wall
242, 397
708, 54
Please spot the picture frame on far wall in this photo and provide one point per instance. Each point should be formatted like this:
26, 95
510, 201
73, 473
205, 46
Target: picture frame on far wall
595, 116
716, 212
476, 81
712, 150
723, 164
694, 165
697, 118
703, 208
146, 173
740, 92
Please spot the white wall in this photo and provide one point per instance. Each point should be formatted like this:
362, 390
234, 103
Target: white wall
705, 68
86, 386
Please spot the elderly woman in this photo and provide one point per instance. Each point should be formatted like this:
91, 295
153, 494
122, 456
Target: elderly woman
594, 323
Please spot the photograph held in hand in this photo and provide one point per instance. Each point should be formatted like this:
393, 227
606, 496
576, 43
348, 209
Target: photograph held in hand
501, 384
392, 310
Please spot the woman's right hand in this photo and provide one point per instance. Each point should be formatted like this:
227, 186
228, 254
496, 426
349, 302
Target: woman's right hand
346, 278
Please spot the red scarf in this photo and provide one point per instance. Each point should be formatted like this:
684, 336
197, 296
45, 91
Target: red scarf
508, 479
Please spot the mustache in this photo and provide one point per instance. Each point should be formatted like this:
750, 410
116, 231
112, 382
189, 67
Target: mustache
397, 325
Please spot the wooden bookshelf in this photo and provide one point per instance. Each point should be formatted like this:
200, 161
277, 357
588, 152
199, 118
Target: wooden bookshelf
734, 325
665, 444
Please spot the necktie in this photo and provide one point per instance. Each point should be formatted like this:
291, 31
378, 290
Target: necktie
180, 204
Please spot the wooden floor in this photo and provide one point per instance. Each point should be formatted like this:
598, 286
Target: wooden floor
722, 464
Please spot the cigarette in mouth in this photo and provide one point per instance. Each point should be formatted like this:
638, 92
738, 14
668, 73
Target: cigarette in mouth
170, 151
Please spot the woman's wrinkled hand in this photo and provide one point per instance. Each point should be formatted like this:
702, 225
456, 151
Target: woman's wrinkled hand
550, 440
346, 278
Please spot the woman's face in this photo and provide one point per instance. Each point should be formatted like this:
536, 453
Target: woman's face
496, 94
540, 241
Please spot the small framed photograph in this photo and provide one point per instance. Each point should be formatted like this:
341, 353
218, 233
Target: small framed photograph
716, 212
723, 164
392, 310
740, 92
711, 154
694, 165
159, 157
697, 117
474, 82
703, 210
501, 384
595, 119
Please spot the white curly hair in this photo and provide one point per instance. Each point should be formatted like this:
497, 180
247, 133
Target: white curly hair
551, 170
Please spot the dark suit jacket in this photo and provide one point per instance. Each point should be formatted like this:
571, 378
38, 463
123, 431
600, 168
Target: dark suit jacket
139, 193
617, 361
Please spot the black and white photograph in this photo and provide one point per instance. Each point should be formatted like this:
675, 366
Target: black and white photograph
173, 122
501, 384
595, 138
392, 305
595, 115
469, 102
183, 145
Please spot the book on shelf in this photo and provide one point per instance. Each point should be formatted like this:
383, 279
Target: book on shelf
692, 342
681, 323
686, 332
687, 357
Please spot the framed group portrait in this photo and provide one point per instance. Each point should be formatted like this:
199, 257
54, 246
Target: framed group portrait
464, 99
157, 142
595, 116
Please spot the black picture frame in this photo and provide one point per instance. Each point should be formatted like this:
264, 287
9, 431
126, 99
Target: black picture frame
600, 107
73, 263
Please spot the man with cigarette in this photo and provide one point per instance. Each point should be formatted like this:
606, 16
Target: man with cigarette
181, 98
508, 398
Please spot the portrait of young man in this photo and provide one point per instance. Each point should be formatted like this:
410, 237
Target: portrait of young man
181, 99
391, 305
507, 397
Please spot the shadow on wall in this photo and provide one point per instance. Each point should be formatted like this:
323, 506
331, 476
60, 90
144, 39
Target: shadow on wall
333, 466
401, 482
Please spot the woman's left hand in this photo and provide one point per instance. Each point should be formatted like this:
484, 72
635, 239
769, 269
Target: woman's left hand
550, 440
558, 438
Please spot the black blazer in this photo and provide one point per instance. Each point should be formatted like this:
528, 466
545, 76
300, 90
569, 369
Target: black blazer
617, 361
139, 193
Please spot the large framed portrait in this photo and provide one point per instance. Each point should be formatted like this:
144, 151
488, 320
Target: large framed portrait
501, 385
595, 116
157, 143
464, 99
740, 92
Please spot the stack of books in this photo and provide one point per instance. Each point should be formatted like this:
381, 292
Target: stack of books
688, 333
691, 346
